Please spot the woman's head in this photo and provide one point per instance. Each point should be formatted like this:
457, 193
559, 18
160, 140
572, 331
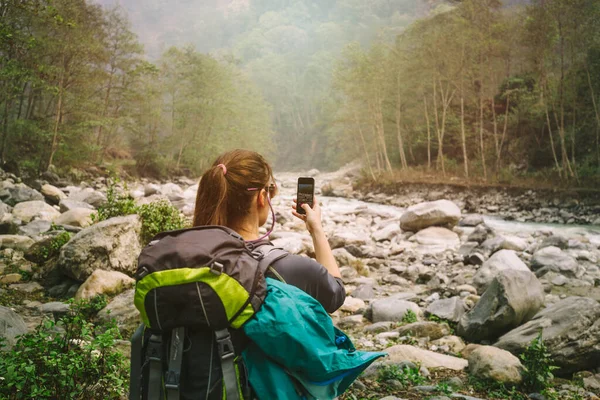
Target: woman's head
232, 188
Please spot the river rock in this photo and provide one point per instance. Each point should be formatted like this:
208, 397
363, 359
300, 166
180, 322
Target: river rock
364, 292
451, 309
514, 243
52, 194
150, 189
89, 196
29, 210
436, 239
28, 287
471, 220
421, 329
16, 242
554, 259
104, 282
353, 305
500, 261
555, 241
123, 311
570, 329
393, 309
492, 363
19, 193
512, 298
80, 217
424, 358
11, 326
68, 204
35, 228
111, 245
435, 213
389, 232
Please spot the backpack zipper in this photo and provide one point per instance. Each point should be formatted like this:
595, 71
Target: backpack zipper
202, 304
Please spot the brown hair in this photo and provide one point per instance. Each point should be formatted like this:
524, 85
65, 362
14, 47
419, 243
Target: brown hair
223, 196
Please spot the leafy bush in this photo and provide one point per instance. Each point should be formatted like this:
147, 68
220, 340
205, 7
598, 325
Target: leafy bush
158, 217
116, 205
406, 375
52, 250
69, 359
538, 365
409, 317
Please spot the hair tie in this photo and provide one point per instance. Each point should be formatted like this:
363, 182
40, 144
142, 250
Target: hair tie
223, 167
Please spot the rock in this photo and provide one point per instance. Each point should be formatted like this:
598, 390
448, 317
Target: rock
351, 321
342, 257
296, 244
387, 233
52, 194
353, 305
514, 243
89, 196
471, 220
492, 363
424, 358
501, 261
480, 234
29, 287
104, 282
80, 217
11, 326
555, 241
437, 239
29, 210
555, 260
570, 329
16, 242
55, 308
451, 309
364, 292
10, 278
474, 259
150, 189
19, 193
378, 327
67, 205
111, 245
35, 228
393, 309
512, 299
454, 344
429, 329
436, 213
123, 311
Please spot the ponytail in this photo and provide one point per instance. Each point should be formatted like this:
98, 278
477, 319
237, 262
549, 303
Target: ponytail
223, 197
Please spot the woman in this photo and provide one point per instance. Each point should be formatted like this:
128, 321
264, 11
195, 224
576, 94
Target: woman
235, 192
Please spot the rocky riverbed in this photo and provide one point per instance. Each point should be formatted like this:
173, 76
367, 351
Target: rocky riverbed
453, 286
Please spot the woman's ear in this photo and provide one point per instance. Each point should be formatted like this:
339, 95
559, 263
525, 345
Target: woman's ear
262, 198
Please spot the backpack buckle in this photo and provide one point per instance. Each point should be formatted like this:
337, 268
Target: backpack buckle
224, 344
216, 268
172, 380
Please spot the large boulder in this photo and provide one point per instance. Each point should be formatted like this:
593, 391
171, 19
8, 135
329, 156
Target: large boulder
492, 363
80, 217
67, 205
451, 309
29, 210
434, 213
512, 299
89, 196
53, 194
11, 326
388, 232
111, 245
35, 228
436, 239
393, 309
424, 358
122, 310
553, 259
13, 194
16, 242
502, 260
570, 329
429, 329
104, 282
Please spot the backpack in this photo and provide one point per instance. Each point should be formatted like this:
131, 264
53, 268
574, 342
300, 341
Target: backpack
206, 277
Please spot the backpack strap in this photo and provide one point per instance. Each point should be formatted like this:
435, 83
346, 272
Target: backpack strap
230, 379
154, 359
175, 358
137, 341
270, 254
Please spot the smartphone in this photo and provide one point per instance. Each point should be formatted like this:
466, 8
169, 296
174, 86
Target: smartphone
305, 194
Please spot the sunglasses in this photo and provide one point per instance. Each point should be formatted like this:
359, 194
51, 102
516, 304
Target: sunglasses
271, 188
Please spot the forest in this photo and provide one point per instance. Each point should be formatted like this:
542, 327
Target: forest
478, 89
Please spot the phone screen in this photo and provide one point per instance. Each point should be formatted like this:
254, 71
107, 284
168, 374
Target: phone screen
306, 189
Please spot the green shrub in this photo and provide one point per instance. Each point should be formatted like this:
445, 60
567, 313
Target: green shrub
52, 250
158, 217
80, 362
116, 205
538, 365
405, 375
409, 317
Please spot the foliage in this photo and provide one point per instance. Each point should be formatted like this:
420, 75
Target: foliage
159, 217
444, 388
72, 358
116, 205
52, 250
538, 365
406, 375
409, 317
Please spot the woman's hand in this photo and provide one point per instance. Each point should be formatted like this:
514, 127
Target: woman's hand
312, 218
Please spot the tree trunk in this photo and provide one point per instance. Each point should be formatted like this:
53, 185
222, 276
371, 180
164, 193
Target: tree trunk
58, 118
596, 112
4, 130
561, 128
398, 129
481, 144
364, 144
440, 154
499, 154
550, 133
428, 133
462, 132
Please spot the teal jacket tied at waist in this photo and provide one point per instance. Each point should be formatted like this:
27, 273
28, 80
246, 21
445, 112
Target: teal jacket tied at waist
296, 352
